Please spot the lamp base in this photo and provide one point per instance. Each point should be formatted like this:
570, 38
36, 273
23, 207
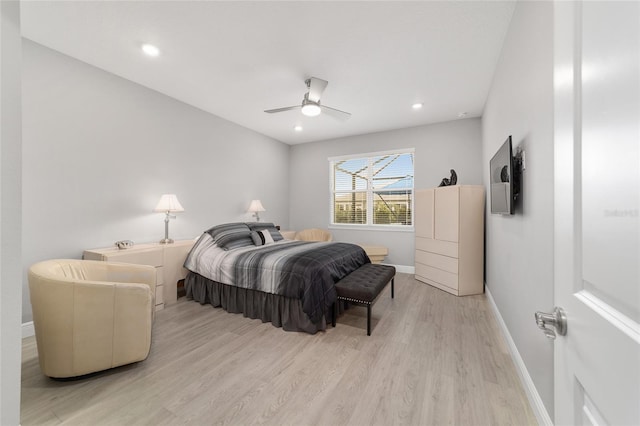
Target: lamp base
166, 241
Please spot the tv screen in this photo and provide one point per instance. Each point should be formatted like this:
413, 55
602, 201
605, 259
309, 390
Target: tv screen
501, 177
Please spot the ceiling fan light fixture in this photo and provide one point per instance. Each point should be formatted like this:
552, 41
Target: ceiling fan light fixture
311, 102
311, 109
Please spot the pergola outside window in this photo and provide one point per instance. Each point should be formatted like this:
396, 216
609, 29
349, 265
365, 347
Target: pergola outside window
373, 189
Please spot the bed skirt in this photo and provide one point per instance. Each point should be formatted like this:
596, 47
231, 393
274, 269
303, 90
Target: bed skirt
279, 310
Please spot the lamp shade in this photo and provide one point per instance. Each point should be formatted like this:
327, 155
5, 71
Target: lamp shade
256, 206
169, 203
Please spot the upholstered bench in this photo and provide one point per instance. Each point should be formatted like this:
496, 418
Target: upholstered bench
363, 286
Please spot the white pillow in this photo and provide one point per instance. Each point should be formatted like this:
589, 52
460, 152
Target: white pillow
261, 238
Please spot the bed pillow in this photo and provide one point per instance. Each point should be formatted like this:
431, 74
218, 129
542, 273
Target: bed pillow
231, 235
262, 238
233, 241
258, 226
226, 228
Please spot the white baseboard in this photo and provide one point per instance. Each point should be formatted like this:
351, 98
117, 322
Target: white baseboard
404, 269
532, 393
28, 330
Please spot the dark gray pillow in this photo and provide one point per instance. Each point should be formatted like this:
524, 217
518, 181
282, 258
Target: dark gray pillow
227, 228
233, 241
231, 235
258, 226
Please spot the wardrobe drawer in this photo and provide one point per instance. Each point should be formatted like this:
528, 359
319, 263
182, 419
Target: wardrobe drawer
445, 263
438, 285
446, 248
437, 275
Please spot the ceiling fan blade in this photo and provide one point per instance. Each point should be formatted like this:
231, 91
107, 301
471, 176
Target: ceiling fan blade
271, 111
335, 113
316, 87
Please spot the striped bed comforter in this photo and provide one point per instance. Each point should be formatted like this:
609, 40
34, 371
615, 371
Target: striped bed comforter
294, 269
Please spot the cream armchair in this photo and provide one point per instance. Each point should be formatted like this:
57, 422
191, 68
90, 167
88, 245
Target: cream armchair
91, 315
314, 234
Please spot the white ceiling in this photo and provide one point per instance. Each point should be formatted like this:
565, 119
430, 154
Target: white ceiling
236, 59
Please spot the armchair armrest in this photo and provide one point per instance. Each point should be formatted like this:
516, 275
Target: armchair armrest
129, 273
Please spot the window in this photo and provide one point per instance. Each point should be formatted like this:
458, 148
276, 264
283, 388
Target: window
372, 189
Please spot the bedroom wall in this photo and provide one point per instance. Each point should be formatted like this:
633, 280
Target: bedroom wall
10, 226
99, 151
438, 148
519, 248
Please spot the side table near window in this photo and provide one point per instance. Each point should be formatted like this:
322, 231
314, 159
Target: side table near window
376, 253
167, 259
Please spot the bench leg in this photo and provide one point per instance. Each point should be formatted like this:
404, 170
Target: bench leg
392, 280
334, 313
369, 320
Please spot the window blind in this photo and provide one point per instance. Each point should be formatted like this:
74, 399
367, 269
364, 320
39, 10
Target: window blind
375, 189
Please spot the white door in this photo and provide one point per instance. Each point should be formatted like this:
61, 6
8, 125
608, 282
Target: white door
597, 197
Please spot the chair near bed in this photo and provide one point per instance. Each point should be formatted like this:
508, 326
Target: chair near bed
314, 234
91, 315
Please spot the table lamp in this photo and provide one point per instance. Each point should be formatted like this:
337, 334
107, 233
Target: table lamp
256, 207
168, 204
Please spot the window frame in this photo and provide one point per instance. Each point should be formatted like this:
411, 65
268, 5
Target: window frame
370, 191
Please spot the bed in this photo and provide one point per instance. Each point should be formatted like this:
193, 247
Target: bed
249, 268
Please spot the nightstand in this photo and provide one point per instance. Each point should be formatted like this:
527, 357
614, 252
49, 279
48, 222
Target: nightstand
376, 253
167, 259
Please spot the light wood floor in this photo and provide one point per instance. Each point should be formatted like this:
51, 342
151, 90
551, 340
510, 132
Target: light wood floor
432, 359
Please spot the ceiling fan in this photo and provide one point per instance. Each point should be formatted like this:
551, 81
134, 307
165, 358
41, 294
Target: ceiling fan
311, 106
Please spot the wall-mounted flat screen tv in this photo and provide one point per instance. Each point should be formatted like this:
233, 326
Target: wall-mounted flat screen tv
501, 179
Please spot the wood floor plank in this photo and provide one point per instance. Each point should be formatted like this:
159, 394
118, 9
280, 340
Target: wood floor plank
432, 359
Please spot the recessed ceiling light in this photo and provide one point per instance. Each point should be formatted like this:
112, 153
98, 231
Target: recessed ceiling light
297, 128
462, 114
150, 50
417, 105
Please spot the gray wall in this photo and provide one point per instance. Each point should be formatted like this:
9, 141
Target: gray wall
99, 151
10, 220
519, 248
438, 148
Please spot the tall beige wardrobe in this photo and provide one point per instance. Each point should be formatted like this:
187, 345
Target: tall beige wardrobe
449, 226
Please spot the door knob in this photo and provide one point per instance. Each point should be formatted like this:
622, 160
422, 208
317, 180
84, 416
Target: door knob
556, 319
